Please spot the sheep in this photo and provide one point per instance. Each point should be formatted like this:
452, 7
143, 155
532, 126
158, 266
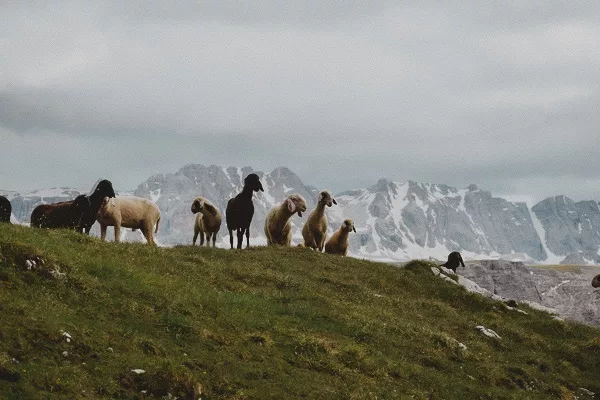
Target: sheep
596, 281
208, 220
129, 212
240, 210
454, 261
338, 242
102, 189
66, 214
277, 223
5, 209
314, 230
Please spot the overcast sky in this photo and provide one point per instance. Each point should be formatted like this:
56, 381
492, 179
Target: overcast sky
503, 94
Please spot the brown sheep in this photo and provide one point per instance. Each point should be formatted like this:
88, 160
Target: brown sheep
129, 212
314, 230
338, 242
66, 214
277, 223
596, 281
208, 220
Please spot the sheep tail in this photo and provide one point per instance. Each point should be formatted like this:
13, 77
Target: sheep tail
157, 221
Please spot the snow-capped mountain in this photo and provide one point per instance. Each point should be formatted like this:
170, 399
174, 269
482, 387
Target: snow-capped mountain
394, 221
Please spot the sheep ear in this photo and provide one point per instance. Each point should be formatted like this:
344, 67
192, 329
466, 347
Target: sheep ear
334, 202
353, 229
291, 205
320, 197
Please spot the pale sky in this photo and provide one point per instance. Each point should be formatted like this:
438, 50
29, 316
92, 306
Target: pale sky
503, 94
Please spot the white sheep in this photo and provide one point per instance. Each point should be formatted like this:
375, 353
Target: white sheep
208, 220
314, 230
338, 242
277, 223
128, 212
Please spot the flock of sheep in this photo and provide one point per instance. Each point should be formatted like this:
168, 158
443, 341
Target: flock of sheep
133, 212
240, 211
139, 213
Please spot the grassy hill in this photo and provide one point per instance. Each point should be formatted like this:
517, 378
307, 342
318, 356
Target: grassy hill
280, 323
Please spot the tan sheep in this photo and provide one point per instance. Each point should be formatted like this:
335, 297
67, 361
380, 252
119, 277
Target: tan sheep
128, 212
208, 220
277, 223
314, 230
338, 242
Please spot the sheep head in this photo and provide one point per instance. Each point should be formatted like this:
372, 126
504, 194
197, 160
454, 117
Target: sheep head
81, 202
326, 198
105, 187
253, 182
348, 226
296, 203
198, 205
105, 202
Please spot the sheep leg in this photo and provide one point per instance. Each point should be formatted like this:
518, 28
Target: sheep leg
195, 237
321, 244
103, 232
247, 237
202, 238
214, 238
240, 237
146, 229
231, 237
117, 233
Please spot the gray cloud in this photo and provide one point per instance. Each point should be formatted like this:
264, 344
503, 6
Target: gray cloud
502, 94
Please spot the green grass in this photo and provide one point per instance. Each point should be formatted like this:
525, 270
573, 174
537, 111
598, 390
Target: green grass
264, 323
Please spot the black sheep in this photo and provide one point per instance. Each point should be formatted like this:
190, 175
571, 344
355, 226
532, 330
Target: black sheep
103, 189
454, 261
5, 209
240, 211
66, 214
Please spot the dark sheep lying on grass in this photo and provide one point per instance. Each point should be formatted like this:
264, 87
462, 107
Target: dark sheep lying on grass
5, 209
596, 281
240, 211
66, 214
103, 189
454, 261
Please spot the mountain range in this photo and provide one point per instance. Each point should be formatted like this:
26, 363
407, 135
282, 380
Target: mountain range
394, 221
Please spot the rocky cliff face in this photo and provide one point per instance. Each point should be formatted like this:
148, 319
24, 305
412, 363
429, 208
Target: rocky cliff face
394, 221
570, 229
569, 293
409, 220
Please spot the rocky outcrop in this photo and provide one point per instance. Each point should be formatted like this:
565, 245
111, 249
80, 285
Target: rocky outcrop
570, 227
570, 293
